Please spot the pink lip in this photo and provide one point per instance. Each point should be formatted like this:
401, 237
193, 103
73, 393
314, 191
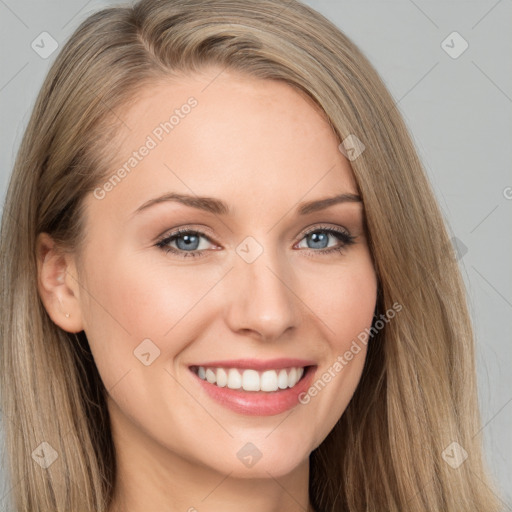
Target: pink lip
258, 364
258, 403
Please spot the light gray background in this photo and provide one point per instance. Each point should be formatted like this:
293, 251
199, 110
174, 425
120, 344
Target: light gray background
459, 111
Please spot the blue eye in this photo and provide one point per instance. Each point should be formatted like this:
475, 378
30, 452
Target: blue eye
188, 241
320, 235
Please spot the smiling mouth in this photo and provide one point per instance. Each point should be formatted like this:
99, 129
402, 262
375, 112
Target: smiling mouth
252, 380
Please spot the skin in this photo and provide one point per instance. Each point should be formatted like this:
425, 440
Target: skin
262, 147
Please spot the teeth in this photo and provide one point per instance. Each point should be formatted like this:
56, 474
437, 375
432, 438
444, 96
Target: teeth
282, 379
234, 379
268, 381
292, 377
222, 378
251, 380
210, 376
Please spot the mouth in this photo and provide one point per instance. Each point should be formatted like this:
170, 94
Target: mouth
250, 379
250, 386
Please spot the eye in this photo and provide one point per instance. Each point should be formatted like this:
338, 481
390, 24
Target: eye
319, 237
188, 242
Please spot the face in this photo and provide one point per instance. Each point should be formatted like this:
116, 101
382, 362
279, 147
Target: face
255, 284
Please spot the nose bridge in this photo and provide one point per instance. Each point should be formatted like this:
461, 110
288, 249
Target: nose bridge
261, 299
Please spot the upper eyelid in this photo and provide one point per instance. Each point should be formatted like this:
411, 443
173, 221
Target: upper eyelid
199, 231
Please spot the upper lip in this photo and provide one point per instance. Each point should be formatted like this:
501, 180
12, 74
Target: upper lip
258, 364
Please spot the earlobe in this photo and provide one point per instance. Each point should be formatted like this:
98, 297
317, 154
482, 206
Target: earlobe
57, 284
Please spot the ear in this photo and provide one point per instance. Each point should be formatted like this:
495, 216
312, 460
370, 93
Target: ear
58, 284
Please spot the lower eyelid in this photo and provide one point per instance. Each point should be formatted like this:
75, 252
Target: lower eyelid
163, 243
343, 237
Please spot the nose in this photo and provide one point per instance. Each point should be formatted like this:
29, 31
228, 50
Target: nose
261, 298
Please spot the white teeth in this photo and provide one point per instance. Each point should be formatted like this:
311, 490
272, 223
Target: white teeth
282, 379
268, 381
234, 379
210, 376
222, 378
251, 380
292, 377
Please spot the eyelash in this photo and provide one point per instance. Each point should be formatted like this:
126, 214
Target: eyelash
343, 236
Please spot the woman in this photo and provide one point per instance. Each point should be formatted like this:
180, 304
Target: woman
175, 334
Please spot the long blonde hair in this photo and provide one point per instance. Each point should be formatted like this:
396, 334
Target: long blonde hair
417, 394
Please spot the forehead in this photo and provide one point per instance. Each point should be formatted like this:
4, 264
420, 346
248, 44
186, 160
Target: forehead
222, 134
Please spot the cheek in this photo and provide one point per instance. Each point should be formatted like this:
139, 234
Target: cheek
346, 306
132, 300
344, 298
137, 298
352, 307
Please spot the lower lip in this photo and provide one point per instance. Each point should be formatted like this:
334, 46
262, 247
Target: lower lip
259, 403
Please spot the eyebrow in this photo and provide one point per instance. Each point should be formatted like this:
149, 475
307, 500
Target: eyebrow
218, 207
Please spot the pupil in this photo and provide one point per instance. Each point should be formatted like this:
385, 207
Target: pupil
317, 238
188, 240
